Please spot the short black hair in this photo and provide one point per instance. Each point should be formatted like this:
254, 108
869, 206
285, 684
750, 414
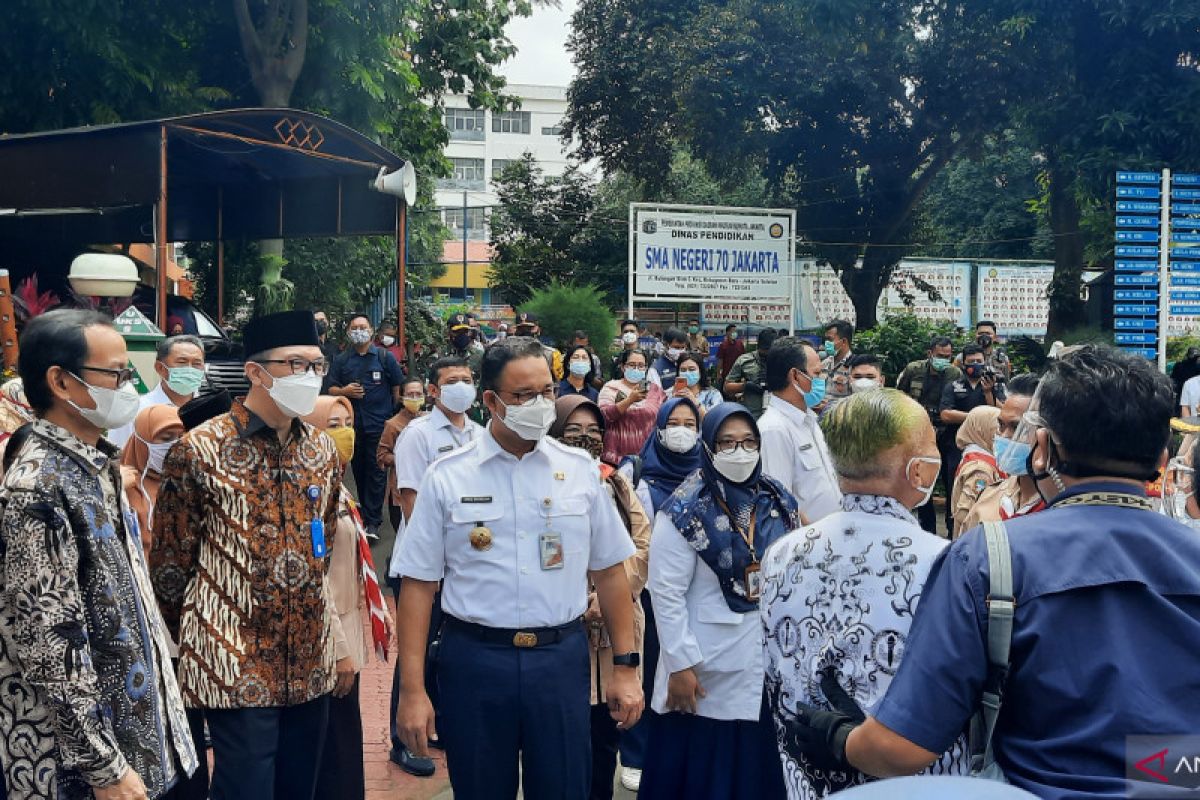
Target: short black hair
845, 329
412, 379
164, 347
730, 327
698, 360
987, 322
785, 355
766, 338
865, 360
625, 323
54, 339
355, 315
674, 335
445, 362
624, 355
1104, 405
971, 350
940, 341
572, 350
499, 353
580, 335
1023, 385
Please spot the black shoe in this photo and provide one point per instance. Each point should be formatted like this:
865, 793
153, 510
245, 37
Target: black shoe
413, 765
373, 532
436, 744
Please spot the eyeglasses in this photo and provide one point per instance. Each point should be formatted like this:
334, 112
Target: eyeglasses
729, 445
123, 376
299, 366
573, 429
521, 398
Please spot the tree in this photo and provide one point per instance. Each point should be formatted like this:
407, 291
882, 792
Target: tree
850, 109
562, 310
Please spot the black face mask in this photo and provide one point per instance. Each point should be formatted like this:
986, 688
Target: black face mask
461, 341
984, 341
322, 327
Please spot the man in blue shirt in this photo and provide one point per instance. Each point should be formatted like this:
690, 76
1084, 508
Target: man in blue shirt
372, 379
1107, 607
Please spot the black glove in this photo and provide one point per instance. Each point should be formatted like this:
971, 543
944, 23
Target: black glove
821, 735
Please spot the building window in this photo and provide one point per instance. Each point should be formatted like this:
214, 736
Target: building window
468, 174
512, 122
554, 130
499, 165
476, 223
465, 124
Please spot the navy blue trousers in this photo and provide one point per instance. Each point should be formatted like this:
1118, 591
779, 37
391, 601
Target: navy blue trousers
264, 753
502, 706
435, 622
633, 741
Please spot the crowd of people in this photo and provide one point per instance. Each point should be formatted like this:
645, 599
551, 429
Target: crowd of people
697, 569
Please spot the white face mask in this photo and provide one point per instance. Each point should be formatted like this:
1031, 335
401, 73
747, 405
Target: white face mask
458, 397
158, 453
115, 408
863, 385
387, 341
296, 395
674, 353
678, 439
927, 491
737, 466
529, 420
629, 338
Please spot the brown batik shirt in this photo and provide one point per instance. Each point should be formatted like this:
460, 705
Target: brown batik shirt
233, 565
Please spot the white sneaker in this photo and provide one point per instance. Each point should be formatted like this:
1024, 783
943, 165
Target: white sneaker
631, 778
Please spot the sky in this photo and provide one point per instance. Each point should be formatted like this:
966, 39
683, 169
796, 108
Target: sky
541, 41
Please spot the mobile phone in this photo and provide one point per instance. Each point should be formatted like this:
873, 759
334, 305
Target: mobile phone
644, 386
680, 383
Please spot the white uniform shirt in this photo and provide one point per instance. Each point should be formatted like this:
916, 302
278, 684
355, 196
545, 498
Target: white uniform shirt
1190, 394
154, 397
423, 441
794, 453
842, 592
553, 490
698, 629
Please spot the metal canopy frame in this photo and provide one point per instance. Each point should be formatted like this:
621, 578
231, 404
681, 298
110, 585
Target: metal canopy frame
225, 175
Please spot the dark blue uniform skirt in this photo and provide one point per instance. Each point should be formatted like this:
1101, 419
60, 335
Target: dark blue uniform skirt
691, 757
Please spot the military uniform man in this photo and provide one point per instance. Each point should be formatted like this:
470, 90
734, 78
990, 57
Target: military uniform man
924, 381
748, 376
514, 525
527, 325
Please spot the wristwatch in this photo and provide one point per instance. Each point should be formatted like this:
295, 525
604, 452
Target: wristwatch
627, 660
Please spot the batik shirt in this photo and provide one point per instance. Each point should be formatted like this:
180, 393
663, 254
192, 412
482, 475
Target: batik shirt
841, 593
86, 685
234, 565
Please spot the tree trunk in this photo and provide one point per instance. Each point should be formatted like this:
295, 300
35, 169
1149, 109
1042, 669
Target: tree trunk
1067, 309
865, 284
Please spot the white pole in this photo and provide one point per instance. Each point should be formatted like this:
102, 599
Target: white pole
632, 233
1164, 266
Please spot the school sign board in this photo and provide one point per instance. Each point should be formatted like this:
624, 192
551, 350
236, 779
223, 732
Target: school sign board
710, 254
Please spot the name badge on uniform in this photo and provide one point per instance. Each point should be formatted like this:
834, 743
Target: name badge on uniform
446, 448
377, 376
477, 499
551, 547
804, 447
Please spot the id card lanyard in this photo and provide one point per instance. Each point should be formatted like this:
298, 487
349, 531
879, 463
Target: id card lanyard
752, 582
316, 526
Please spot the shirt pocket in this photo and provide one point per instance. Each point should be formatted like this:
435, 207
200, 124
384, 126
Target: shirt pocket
568, 517
718, 629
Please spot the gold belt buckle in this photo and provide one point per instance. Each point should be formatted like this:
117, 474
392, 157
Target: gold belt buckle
522, 639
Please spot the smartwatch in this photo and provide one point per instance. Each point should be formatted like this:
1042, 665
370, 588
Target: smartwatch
627, 660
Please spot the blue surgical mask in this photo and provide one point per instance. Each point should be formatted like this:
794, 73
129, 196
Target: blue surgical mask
691, 376
635, 375
815, 395
580, 368
830, 350
1011, 457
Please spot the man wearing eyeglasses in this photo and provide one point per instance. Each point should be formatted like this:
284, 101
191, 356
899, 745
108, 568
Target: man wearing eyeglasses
179, 364
514, 524
90, 706
371, 378
793, 447
242, 528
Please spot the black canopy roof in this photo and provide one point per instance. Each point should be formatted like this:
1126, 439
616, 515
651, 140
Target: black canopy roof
269, 173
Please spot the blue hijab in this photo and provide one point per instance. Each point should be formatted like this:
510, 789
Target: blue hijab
703, 522
663, 469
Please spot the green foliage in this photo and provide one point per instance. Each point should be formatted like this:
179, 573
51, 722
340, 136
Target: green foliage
1178, 346
562, 310
901, 338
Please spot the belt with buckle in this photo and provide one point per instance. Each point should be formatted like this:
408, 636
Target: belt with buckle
516, 637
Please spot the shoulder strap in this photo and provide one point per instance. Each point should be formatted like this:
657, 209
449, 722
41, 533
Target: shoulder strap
636, 477
1000, 607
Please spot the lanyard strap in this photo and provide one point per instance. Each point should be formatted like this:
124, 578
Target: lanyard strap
1117, 499
747, 537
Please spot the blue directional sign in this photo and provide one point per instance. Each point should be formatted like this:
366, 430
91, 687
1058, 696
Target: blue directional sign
1184, 252
1183, 179
1185, 311
1135, 294
1148, 353
1139, 192
1191, 223
1137, 236
1123, 310
1136, 338
1185, 238
1136, 250
1137, 222
1136, 206
1177, 208
1136, 280
1185, 280
1189, 296
1135, 324
1182, 194
1136, 266
1185, 266
1137, 177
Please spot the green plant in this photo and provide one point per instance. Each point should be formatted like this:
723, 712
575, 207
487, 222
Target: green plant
562, 310
1177, 346
902, 338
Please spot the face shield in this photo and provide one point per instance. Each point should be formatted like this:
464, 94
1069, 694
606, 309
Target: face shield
1179, 486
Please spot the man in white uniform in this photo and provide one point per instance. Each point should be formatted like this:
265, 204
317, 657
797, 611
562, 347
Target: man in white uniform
793, 447
840, 594
515, 525
179, 363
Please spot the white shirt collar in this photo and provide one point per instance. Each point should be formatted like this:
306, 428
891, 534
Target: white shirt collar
793, 414
490, 448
